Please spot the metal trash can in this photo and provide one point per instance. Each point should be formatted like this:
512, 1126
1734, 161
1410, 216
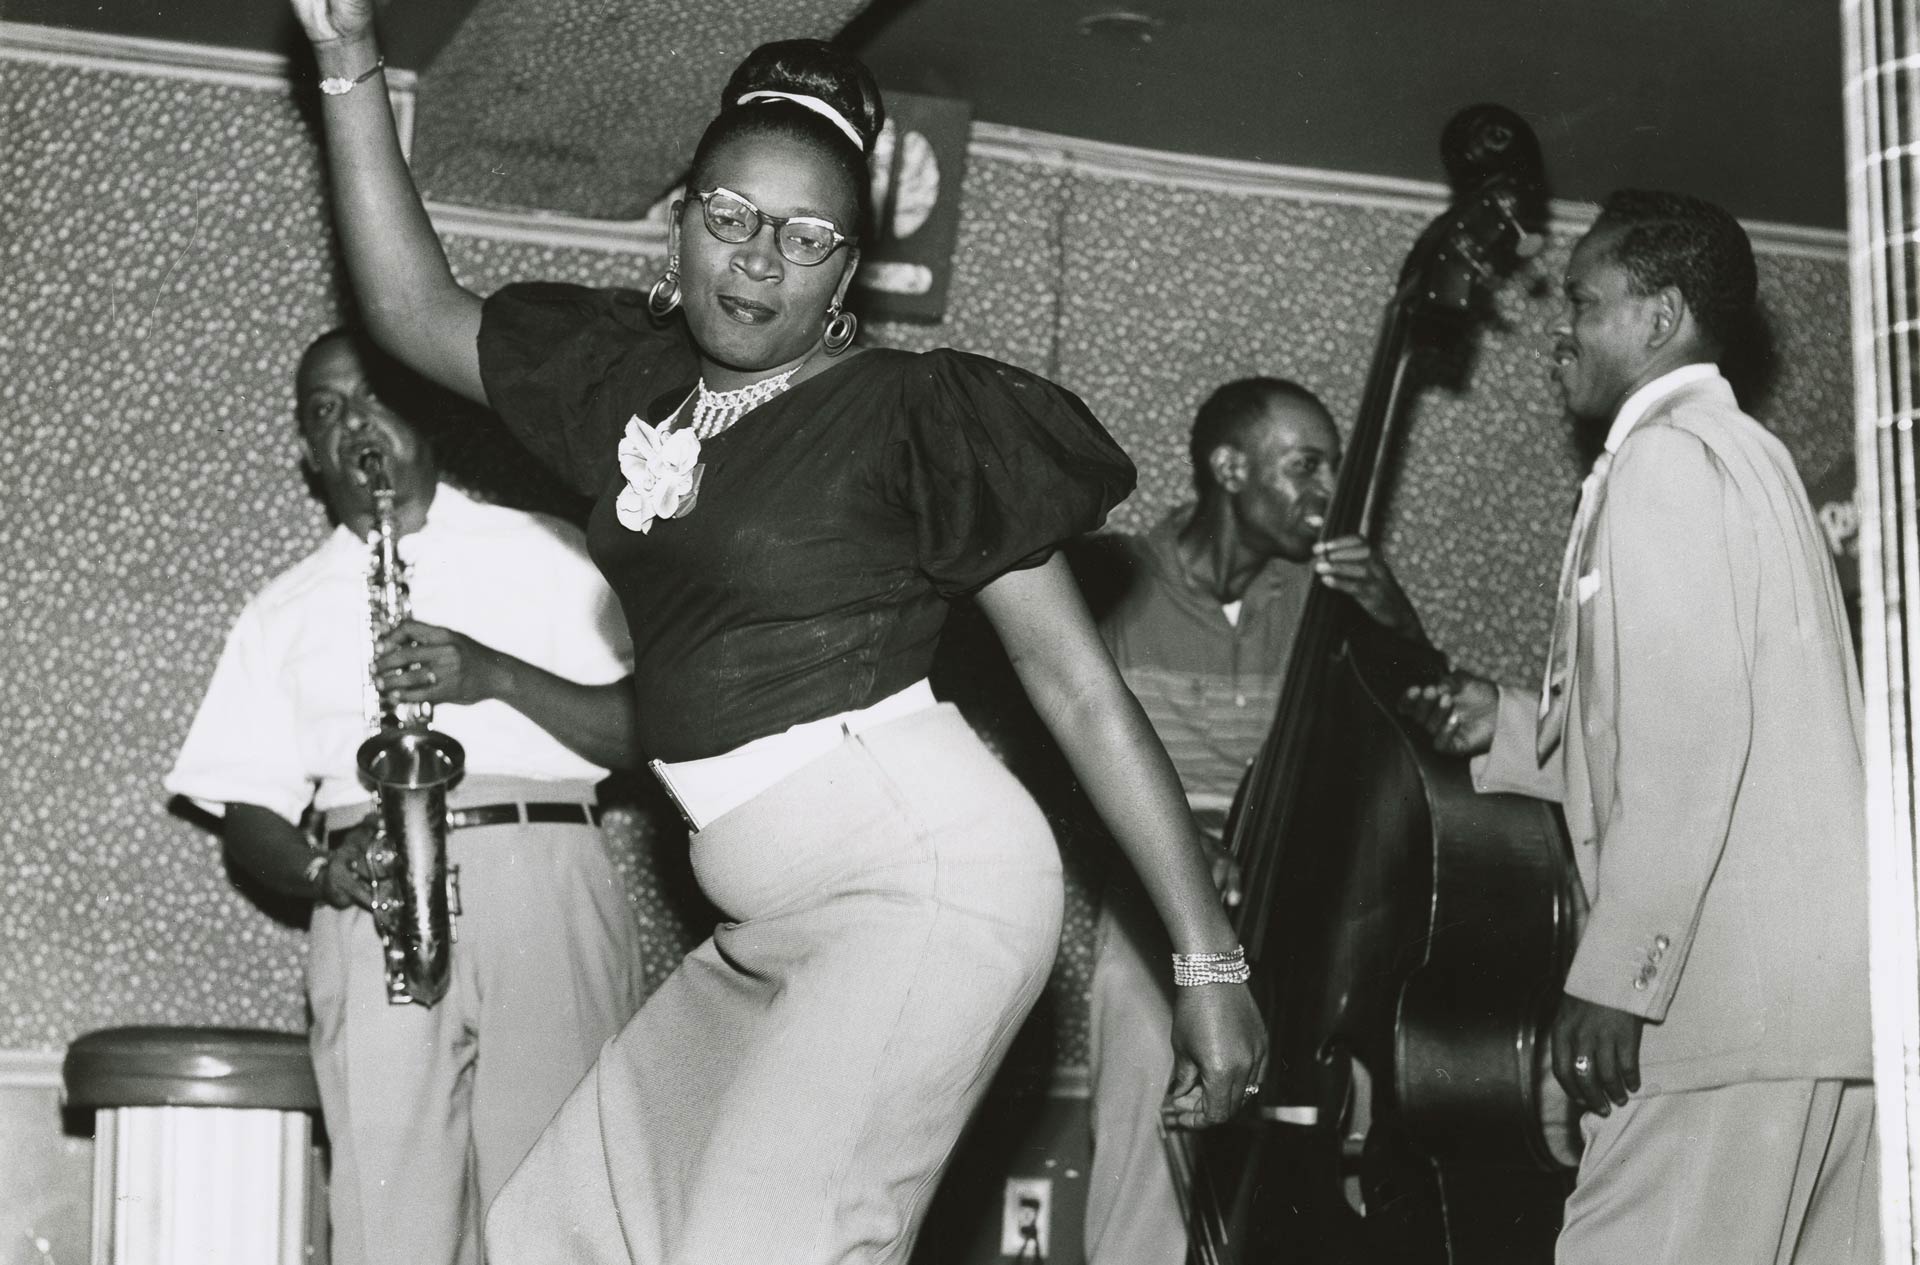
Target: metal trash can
203, 1146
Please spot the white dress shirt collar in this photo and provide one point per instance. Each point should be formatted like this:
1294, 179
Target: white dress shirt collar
1637, 405
450, 508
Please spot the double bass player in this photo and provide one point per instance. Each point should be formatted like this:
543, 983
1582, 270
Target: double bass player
1201, 632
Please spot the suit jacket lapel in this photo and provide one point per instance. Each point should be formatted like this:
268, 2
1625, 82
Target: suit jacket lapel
1563, 649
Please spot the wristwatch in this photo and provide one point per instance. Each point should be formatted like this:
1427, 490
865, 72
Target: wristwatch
340, 86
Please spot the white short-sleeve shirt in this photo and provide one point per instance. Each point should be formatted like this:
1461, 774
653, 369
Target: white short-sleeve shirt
291, 699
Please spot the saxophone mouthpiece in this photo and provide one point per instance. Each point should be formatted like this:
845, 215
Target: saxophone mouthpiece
371, 467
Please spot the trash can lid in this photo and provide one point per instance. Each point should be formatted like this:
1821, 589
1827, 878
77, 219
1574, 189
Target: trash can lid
191, 1067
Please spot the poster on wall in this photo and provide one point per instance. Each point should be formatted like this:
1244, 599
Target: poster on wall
918, 166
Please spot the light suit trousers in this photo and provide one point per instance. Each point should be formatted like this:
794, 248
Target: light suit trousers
1762, 1173
430, 1110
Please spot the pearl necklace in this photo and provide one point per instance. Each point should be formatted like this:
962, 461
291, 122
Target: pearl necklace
714, 411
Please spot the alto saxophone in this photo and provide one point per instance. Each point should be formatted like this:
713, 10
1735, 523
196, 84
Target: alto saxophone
409, 767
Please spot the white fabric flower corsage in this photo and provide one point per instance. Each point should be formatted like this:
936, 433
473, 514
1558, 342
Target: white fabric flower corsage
663, 474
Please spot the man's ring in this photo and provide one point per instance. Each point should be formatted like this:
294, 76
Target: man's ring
1582, 1065
433, 678
1251, 1090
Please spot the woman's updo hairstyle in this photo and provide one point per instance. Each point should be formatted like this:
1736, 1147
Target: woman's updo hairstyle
802, 68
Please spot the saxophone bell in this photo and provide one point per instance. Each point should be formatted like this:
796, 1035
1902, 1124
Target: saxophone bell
410, 771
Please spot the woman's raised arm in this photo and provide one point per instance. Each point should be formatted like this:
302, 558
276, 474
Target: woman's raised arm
409, 300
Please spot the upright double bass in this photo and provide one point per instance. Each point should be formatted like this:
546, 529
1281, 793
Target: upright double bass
1409, 937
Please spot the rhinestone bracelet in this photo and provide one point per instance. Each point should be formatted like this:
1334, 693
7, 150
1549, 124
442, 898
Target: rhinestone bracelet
1190, 970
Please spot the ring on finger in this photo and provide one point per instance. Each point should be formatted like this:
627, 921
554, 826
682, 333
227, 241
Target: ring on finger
433, 678
1251, 1091
1582, 1066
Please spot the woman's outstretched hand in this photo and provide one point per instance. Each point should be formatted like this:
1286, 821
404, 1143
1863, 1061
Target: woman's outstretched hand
328, 20
1219, 1051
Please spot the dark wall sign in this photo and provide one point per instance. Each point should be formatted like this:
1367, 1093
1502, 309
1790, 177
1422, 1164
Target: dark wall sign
918, 166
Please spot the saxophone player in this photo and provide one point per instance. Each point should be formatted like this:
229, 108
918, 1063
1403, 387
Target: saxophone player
517, 641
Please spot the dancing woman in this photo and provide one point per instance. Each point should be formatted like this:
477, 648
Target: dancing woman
785, 516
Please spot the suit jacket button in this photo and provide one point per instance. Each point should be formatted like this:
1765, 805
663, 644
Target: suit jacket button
1660, 944
1640, 983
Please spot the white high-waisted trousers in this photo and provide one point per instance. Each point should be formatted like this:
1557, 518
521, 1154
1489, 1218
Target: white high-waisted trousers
793, 1091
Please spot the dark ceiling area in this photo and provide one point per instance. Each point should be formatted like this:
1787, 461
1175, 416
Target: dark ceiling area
1738, 100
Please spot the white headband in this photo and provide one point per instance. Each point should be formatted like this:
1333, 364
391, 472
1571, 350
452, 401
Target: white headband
815, 104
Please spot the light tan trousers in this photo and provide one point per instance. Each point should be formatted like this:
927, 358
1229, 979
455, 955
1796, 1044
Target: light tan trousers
1133, 1210
1764, 1173
429, 1111
792, 1093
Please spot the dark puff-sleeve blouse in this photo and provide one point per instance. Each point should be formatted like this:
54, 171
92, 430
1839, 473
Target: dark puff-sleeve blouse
831, 525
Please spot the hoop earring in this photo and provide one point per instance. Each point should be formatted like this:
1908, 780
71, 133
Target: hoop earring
842, 325
664, 296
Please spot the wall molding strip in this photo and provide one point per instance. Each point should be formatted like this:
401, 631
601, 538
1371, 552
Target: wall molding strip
157, 59
1103, 159
22, 41
545, 228
30, 1069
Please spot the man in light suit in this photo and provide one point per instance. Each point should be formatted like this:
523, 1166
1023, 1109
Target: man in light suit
1700, 725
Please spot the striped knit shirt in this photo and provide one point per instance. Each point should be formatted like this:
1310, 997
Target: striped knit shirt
1210, 685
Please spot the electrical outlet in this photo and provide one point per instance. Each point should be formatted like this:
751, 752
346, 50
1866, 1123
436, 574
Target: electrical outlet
1026, 1229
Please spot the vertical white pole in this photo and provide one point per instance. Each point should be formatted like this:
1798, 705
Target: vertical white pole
1880, 77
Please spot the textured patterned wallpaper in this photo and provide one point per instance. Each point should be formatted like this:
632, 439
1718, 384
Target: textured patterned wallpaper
165, 247
166, 257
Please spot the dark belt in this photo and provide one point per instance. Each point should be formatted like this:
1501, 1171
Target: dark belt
505, 815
